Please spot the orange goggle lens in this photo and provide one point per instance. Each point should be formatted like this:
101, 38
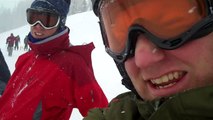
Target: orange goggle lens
165, 19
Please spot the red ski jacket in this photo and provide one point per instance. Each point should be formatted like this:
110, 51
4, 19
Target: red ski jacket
10, 41
55, 75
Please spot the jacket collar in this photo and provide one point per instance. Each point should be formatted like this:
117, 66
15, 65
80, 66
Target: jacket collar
52, 44
195, 102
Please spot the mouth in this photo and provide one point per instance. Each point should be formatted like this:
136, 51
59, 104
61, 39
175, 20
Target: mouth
38, 34
167, 80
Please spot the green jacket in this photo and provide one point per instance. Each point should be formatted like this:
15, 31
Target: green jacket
194, 104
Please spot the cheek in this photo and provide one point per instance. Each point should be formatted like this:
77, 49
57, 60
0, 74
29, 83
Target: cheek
135, 74
136, 78
50, 32
131, 68
198, 57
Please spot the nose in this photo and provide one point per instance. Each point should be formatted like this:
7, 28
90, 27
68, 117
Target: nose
38, 26
146, 53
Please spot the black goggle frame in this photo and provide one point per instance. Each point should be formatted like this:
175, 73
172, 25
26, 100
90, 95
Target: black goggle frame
199, 30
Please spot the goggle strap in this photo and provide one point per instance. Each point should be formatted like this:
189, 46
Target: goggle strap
210, 6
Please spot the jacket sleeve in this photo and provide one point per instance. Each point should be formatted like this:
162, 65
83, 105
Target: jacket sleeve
4, 73
95, 114
88, 93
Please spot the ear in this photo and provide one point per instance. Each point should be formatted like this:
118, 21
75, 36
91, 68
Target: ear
68, 1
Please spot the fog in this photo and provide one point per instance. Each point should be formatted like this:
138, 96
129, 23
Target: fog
8, 4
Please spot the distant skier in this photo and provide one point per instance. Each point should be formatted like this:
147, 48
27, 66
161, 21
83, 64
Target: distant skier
26, 43
10, 43
17, 41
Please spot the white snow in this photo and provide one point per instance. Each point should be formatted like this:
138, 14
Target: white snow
84, 28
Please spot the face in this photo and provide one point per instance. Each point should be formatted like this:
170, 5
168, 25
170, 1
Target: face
39, 32
157, 73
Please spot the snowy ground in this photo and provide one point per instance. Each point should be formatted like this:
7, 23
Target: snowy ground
83, 29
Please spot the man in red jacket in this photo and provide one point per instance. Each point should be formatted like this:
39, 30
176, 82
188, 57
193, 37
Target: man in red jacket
10, 43
53, 77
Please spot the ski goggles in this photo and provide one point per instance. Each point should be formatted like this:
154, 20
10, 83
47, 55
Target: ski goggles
166, 23
46, 19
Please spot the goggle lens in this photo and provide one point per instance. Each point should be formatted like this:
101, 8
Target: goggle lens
162, 19
47, 19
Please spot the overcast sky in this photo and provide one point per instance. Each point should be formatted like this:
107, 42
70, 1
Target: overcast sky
8, 3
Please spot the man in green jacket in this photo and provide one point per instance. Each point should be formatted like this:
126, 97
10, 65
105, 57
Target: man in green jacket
163, 50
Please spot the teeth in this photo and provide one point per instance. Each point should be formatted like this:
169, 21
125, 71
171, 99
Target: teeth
176, 75
38, 34
165, 78
165, 86
170, 76
163, 81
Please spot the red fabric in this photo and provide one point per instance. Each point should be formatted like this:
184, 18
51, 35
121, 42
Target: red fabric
10, 41
58, 76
